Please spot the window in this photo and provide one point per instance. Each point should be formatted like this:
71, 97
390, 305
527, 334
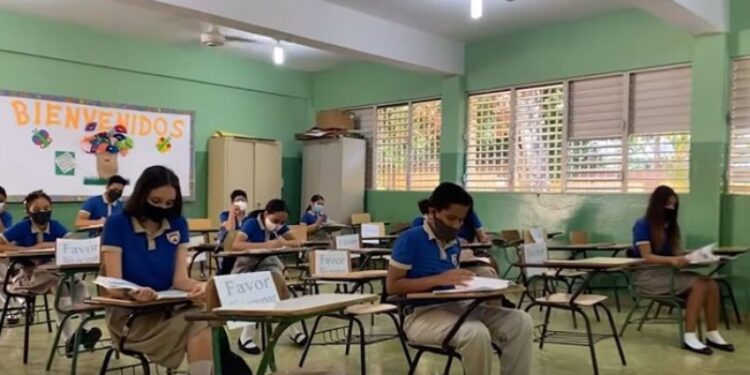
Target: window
407, 146
364, 123
625, 132
739, 146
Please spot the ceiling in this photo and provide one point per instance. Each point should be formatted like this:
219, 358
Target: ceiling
448, 18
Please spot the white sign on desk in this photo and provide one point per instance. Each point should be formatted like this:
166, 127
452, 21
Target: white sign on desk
331, 261
77, 251
246, 290
535, 253
537, 234
347, 242
371, 230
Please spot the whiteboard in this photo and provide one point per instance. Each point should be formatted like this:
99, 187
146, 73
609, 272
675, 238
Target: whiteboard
69, 147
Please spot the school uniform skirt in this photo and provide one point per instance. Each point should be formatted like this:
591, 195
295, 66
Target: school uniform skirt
162, 337
657, 281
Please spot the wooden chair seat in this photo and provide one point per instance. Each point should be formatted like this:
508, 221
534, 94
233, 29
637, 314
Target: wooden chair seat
564, 299
369, 309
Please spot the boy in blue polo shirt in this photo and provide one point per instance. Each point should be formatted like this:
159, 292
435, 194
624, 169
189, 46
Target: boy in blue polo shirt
425, 258
98, 208
6, 220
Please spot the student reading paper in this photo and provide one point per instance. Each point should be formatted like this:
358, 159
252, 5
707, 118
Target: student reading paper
426, 258
656, 239
146, 244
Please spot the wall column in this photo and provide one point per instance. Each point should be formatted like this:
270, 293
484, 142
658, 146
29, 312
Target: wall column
452, 144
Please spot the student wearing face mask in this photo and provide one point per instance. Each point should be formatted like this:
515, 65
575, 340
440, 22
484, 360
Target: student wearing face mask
97, 209
232, 219
40, 231
147, 244
426, 258
6, 219
266, 229
315, 214
656, 239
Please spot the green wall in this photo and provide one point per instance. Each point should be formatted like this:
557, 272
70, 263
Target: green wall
226, 92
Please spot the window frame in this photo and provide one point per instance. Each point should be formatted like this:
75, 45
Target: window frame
730, 186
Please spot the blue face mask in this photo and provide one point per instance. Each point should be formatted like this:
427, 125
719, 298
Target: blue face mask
318, 208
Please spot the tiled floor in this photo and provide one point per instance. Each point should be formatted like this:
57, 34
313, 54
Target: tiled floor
652, 351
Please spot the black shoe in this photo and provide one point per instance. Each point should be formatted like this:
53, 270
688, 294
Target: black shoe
248, 347
90, 338
722, 347
299, 338
704, 351
70, 346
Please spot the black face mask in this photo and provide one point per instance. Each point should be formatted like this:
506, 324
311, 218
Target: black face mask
156, 214
670, 215
444, 231
41, 218
113, 195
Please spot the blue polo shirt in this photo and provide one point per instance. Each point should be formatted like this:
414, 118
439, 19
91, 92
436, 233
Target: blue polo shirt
147, 260
97, 207
311, 217
7, 219
223, 218
418, 252
642, 235
256, 231
417, 222
26, 234
468, 231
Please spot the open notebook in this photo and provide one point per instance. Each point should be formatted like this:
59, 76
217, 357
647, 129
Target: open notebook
478, 284
120, 284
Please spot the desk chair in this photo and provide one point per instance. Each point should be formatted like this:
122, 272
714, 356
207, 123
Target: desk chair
579, 237
361, 218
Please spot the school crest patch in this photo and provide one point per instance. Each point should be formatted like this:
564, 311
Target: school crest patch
173, 237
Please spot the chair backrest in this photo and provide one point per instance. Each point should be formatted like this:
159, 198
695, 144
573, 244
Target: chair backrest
329, 261
360, 218
529, 237
198, 224
579, 237
299, 232
397, 228
348, 242
510, 235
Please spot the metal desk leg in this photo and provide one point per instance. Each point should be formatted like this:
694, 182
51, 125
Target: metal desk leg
217, 336
268, 359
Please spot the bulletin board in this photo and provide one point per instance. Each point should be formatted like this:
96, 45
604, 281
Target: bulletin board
70, 147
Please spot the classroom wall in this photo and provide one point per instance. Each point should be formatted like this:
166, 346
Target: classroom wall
612, 42
226, 92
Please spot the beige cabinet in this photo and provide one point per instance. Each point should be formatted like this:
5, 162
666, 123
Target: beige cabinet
335, 169
242, 163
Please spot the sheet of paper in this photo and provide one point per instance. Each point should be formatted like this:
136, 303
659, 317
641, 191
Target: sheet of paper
346, 242
703, 255
114, 283
331, 261
478, 284
370, 230
537, 234
171, 294
244, 290
77, 251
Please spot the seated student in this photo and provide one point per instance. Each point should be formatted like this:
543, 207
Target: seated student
40, 231
147, 244
98, 208
315, 214
6, 219
471, 231
424, 208
266, 230
656, 239
426, 258
232, 219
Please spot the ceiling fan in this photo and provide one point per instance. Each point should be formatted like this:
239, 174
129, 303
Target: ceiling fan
214, 38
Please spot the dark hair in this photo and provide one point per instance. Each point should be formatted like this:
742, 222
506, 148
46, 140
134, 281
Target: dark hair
315, 198
448, 193
34, 195
658, 220
117, 179
424, 206
152, 178
237, 193
2, 192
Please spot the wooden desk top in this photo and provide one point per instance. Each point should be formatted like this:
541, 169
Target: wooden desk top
512, 289
116, 302
330, 228
352, 276
476, 246
315, 304
568, 247
732, 250
262, 252
370, 251
90, 227
387, 237
35, 253
316, 243
202, 230
586, 263
89, 267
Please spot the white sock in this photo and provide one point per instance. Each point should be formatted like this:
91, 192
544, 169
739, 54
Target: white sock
691, 339
201, 368
248, 334
715, 338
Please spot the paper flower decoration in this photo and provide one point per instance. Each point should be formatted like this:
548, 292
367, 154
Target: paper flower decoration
114, 141
41, 138
164, 145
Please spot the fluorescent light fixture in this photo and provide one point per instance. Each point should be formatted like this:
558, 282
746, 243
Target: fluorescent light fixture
278, 54
476, 9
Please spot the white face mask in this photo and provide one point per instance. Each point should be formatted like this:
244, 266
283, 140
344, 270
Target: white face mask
271, 226
240, 205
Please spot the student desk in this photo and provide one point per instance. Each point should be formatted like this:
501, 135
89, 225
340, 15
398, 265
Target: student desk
262, 254
68, 277
331, 228
95, 228
316, 244
369, 254
137, 309
359, 278
285, 313
386, 240
579, 249
731, 251
575, 301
